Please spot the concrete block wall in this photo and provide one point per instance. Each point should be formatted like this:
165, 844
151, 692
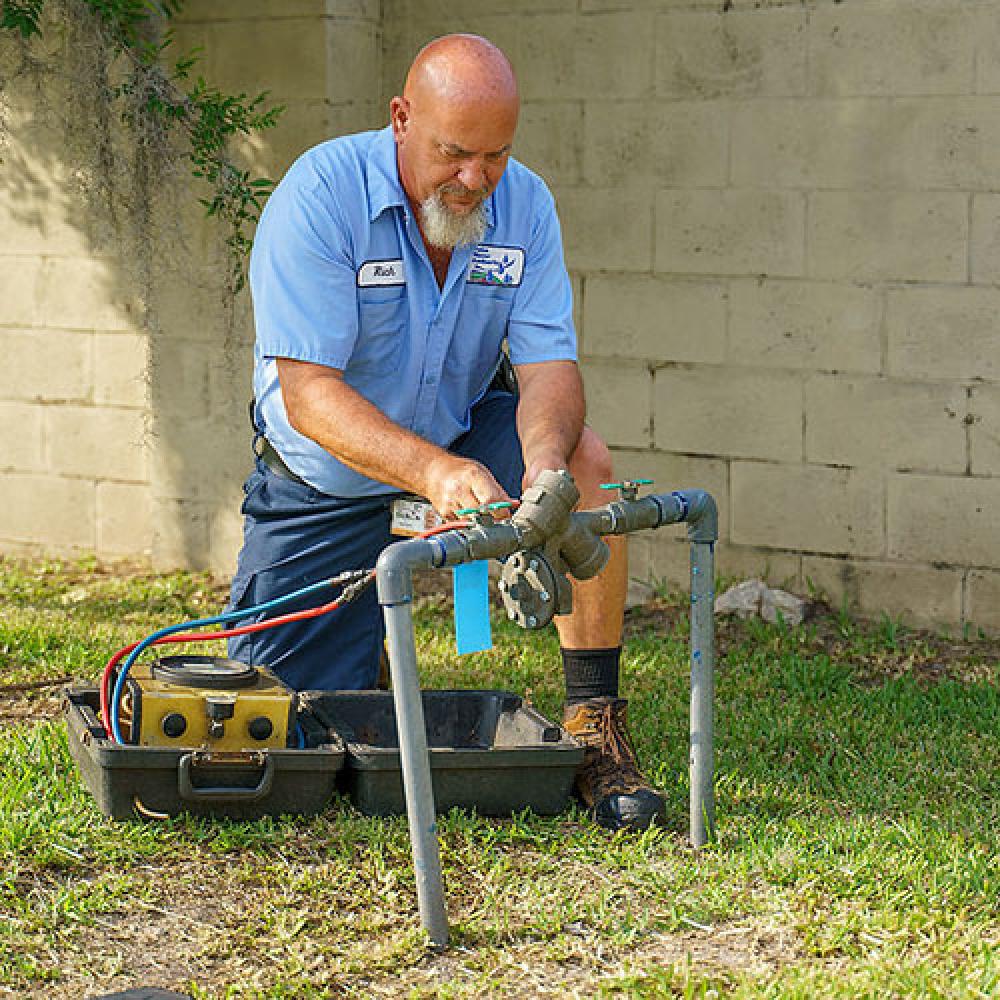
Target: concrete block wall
781, 222
74, 469
782, 227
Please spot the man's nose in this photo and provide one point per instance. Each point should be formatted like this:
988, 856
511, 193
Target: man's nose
473, 175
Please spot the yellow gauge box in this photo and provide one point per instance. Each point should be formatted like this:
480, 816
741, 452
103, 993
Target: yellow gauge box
206, 702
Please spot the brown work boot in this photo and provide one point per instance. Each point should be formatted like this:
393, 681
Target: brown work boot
609, 780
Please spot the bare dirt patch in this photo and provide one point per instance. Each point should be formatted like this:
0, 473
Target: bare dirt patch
29, 706
878, 651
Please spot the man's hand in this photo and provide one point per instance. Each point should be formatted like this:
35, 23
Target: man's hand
453, 483
539, 463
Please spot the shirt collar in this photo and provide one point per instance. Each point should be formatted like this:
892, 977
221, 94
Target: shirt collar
384, 187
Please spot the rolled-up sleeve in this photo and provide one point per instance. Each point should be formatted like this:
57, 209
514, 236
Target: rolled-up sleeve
302, 277
541, 320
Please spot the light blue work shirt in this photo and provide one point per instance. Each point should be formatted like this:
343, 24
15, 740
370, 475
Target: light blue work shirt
340, 277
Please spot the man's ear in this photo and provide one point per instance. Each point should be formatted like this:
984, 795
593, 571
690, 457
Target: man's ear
399, 116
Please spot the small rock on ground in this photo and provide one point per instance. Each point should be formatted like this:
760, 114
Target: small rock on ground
754, 598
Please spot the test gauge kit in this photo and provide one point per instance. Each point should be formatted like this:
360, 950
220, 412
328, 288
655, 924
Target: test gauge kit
205, 735
207, 701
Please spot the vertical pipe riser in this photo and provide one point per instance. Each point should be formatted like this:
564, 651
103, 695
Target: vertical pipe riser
415, 762
701, 761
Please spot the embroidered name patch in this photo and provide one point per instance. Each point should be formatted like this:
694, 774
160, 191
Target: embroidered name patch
496, 266
373, 273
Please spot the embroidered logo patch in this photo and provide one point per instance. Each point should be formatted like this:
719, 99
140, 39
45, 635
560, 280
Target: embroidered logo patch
373, 273
496, 266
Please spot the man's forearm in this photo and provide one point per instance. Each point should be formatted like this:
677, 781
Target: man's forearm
323, 407
550, 414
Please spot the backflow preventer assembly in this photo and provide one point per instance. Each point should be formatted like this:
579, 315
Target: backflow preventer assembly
542, 544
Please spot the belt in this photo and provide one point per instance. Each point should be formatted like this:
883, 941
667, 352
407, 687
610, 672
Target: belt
276, 463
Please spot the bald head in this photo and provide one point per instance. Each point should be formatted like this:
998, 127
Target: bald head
461, 68
454, 127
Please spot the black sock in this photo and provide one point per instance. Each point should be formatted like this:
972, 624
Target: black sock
591, 673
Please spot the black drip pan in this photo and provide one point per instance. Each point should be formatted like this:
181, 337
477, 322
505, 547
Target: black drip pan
489, 751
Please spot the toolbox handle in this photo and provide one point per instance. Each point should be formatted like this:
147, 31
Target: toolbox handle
188, 791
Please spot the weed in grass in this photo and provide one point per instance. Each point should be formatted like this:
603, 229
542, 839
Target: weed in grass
844, 620
890, 632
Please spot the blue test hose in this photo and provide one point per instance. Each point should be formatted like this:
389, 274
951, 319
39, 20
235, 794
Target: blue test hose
229, 616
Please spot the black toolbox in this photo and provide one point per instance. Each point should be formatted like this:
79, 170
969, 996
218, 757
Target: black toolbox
489, 751
132, 781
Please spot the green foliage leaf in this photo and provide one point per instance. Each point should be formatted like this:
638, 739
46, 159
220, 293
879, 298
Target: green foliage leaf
152, 95
21, 16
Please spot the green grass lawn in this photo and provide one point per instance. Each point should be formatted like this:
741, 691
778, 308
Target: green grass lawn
858, 850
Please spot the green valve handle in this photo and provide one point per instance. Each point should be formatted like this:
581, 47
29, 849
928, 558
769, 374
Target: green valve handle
627, 482
497, 505
629, 487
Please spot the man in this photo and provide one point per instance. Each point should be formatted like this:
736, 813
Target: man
387, 270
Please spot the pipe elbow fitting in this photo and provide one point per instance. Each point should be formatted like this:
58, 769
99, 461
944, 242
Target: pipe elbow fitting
702, 516
394, 569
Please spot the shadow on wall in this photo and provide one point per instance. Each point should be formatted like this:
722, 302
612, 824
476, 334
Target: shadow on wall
133, 358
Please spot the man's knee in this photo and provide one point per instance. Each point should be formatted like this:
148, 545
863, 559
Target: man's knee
590, 464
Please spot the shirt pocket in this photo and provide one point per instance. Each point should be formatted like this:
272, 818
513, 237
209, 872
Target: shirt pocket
382, 318
475, 348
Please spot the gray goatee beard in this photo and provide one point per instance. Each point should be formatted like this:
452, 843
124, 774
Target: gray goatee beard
447, 229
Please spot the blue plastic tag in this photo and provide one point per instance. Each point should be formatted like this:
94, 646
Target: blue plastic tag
472, 607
